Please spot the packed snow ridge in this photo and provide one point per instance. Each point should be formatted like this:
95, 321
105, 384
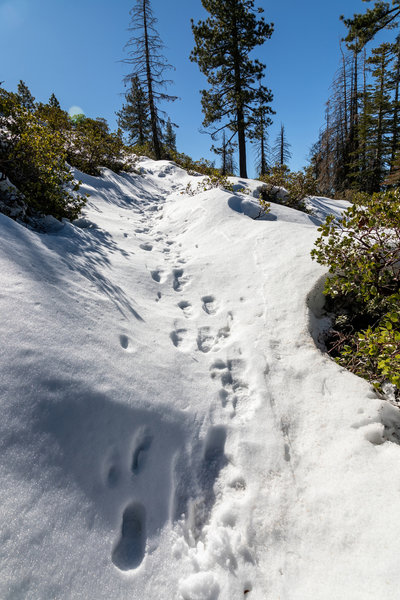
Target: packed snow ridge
170, 429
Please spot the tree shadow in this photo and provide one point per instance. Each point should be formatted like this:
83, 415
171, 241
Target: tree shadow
125, 190
75, 437
86, 251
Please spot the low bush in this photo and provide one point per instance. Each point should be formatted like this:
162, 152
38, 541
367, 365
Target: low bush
94, 146
290, 188
362, 252
216, 180
33, 158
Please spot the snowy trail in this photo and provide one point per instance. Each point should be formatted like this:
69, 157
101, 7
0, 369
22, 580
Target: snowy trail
170, 429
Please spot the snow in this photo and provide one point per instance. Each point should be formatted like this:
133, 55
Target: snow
169, 427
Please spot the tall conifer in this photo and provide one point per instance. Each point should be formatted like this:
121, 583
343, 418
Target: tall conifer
148, 65
53, 102
25, 96
134, 117
224, 42
170, 135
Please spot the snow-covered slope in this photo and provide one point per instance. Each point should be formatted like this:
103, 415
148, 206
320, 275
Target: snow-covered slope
169, 428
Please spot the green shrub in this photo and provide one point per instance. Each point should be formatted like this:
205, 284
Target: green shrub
94, 146
33, 158
193, 167
375, 353
216, 180
297, 186
362, 252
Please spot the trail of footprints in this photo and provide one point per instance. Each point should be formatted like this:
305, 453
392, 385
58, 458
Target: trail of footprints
130, 548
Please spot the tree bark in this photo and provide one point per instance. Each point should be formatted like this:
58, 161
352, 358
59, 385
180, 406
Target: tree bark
153, 113
239, 106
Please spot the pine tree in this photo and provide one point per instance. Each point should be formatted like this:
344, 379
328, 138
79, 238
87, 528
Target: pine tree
281, 147
259, 134
380, 107
224, 42
134, 117
230, 163
149, 65
225, 151
395, 84
25, 97
53, 102
360, 141
365, 26
170, 135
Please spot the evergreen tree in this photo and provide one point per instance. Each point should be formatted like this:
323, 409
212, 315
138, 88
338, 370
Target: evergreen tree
259, 134
53, 102
394, 177
25, 97
170, 136
224, 42
148, 65
365, 26
281, 147
225, 151
230, 162
379, 108
134, 117
395, 84
360, 140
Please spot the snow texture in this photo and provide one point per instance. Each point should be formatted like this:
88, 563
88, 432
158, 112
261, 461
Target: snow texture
169, 427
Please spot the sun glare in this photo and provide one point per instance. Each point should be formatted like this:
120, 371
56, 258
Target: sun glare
75, 110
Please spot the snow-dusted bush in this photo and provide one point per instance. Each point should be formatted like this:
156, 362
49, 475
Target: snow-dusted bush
208, 183
290, 188
33, 158
362, 251
94, 146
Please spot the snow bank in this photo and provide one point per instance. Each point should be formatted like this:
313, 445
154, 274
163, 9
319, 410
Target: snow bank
169, 428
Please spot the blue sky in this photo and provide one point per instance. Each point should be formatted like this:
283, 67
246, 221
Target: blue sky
73, 48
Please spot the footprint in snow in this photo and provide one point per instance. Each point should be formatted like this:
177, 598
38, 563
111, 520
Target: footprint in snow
178, 279
113, 476
209, 305
142, 444
207, 341
234, 389
124, 341
130, 549
185, 307
213, 461
147, 247
179, 338
157, 275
